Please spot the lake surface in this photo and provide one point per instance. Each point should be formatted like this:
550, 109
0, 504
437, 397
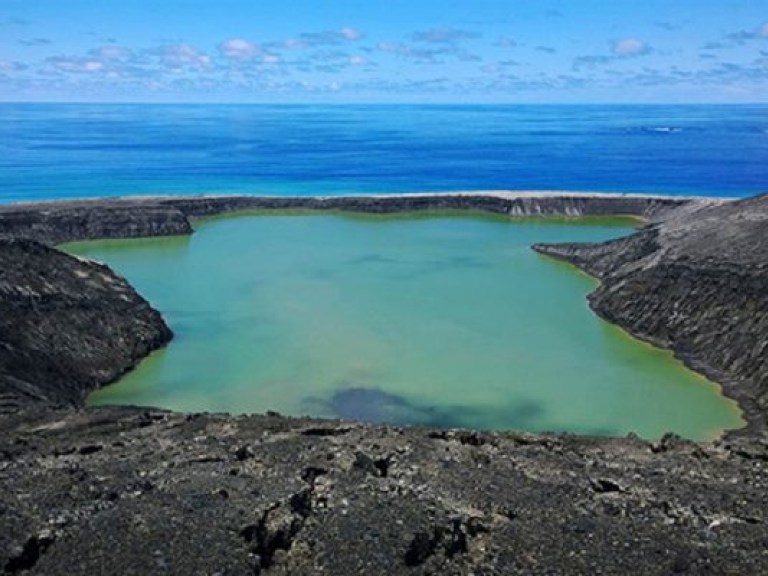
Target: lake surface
439, 320
84, 150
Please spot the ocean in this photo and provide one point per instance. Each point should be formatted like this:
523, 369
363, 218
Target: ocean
57, 151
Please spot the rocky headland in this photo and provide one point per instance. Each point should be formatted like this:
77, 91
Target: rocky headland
67, 326
142, 491
696, 283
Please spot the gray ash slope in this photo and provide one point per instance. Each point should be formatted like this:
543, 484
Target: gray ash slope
132, 491
67, 326
696, 283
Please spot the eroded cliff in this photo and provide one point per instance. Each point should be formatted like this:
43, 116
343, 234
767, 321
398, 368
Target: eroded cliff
56, 223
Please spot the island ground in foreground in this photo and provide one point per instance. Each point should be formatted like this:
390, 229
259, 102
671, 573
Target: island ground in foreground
142, 491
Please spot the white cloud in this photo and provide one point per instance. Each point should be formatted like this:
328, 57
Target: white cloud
358, 60
239, 49
630, 47
76, 65
351, 33
620, 49
93, 66
183, 56
764, 30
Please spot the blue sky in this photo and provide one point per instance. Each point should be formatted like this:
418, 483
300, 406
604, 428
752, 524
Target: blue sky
384, 50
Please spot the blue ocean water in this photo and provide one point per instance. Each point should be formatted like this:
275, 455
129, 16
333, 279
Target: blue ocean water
87, 150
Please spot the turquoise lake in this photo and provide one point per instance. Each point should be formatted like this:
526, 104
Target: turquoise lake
443, 319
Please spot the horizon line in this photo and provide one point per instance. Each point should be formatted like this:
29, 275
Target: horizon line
371, 103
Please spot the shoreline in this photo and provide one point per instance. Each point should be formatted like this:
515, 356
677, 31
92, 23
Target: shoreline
707, 374
89, 490
714, 434
500, 192
56, 222
507, 194
45, 217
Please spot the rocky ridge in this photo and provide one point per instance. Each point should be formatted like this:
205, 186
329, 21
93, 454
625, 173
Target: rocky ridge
58, 222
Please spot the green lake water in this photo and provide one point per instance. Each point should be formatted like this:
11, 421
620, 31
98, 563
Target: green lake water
439, 320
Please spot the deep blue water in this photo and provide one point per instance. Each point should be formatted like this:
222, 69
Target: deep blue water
77, 150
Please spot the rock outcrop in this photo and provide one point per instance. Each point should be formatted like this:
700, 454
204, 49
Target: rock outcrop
67, 326
696, 283
55, 223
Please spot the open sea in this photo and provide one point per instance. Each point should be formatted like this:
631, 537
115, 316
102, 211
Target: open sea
87, 150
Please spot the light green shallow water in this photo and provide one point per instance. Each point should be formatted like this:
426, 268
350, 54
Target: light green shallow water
443, 320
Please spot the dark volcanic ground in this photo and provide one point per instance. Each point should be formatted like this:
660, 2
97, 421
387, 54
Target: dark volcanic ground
67, 326
133, 491
120, 491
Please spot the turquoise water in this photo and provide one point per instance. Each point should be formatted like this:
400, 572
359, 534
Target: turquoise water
441, 320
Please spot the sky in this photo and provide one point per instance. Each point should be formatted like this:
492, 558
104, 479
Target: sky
421, 51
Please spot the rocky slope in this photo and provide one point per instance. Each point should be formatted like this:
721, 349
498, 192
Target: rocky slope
696, 283
67, 326
134, 491
55, 223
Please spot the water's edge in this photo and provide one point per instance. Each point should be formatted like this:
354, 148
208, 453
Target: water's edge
244, 236
59, 222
